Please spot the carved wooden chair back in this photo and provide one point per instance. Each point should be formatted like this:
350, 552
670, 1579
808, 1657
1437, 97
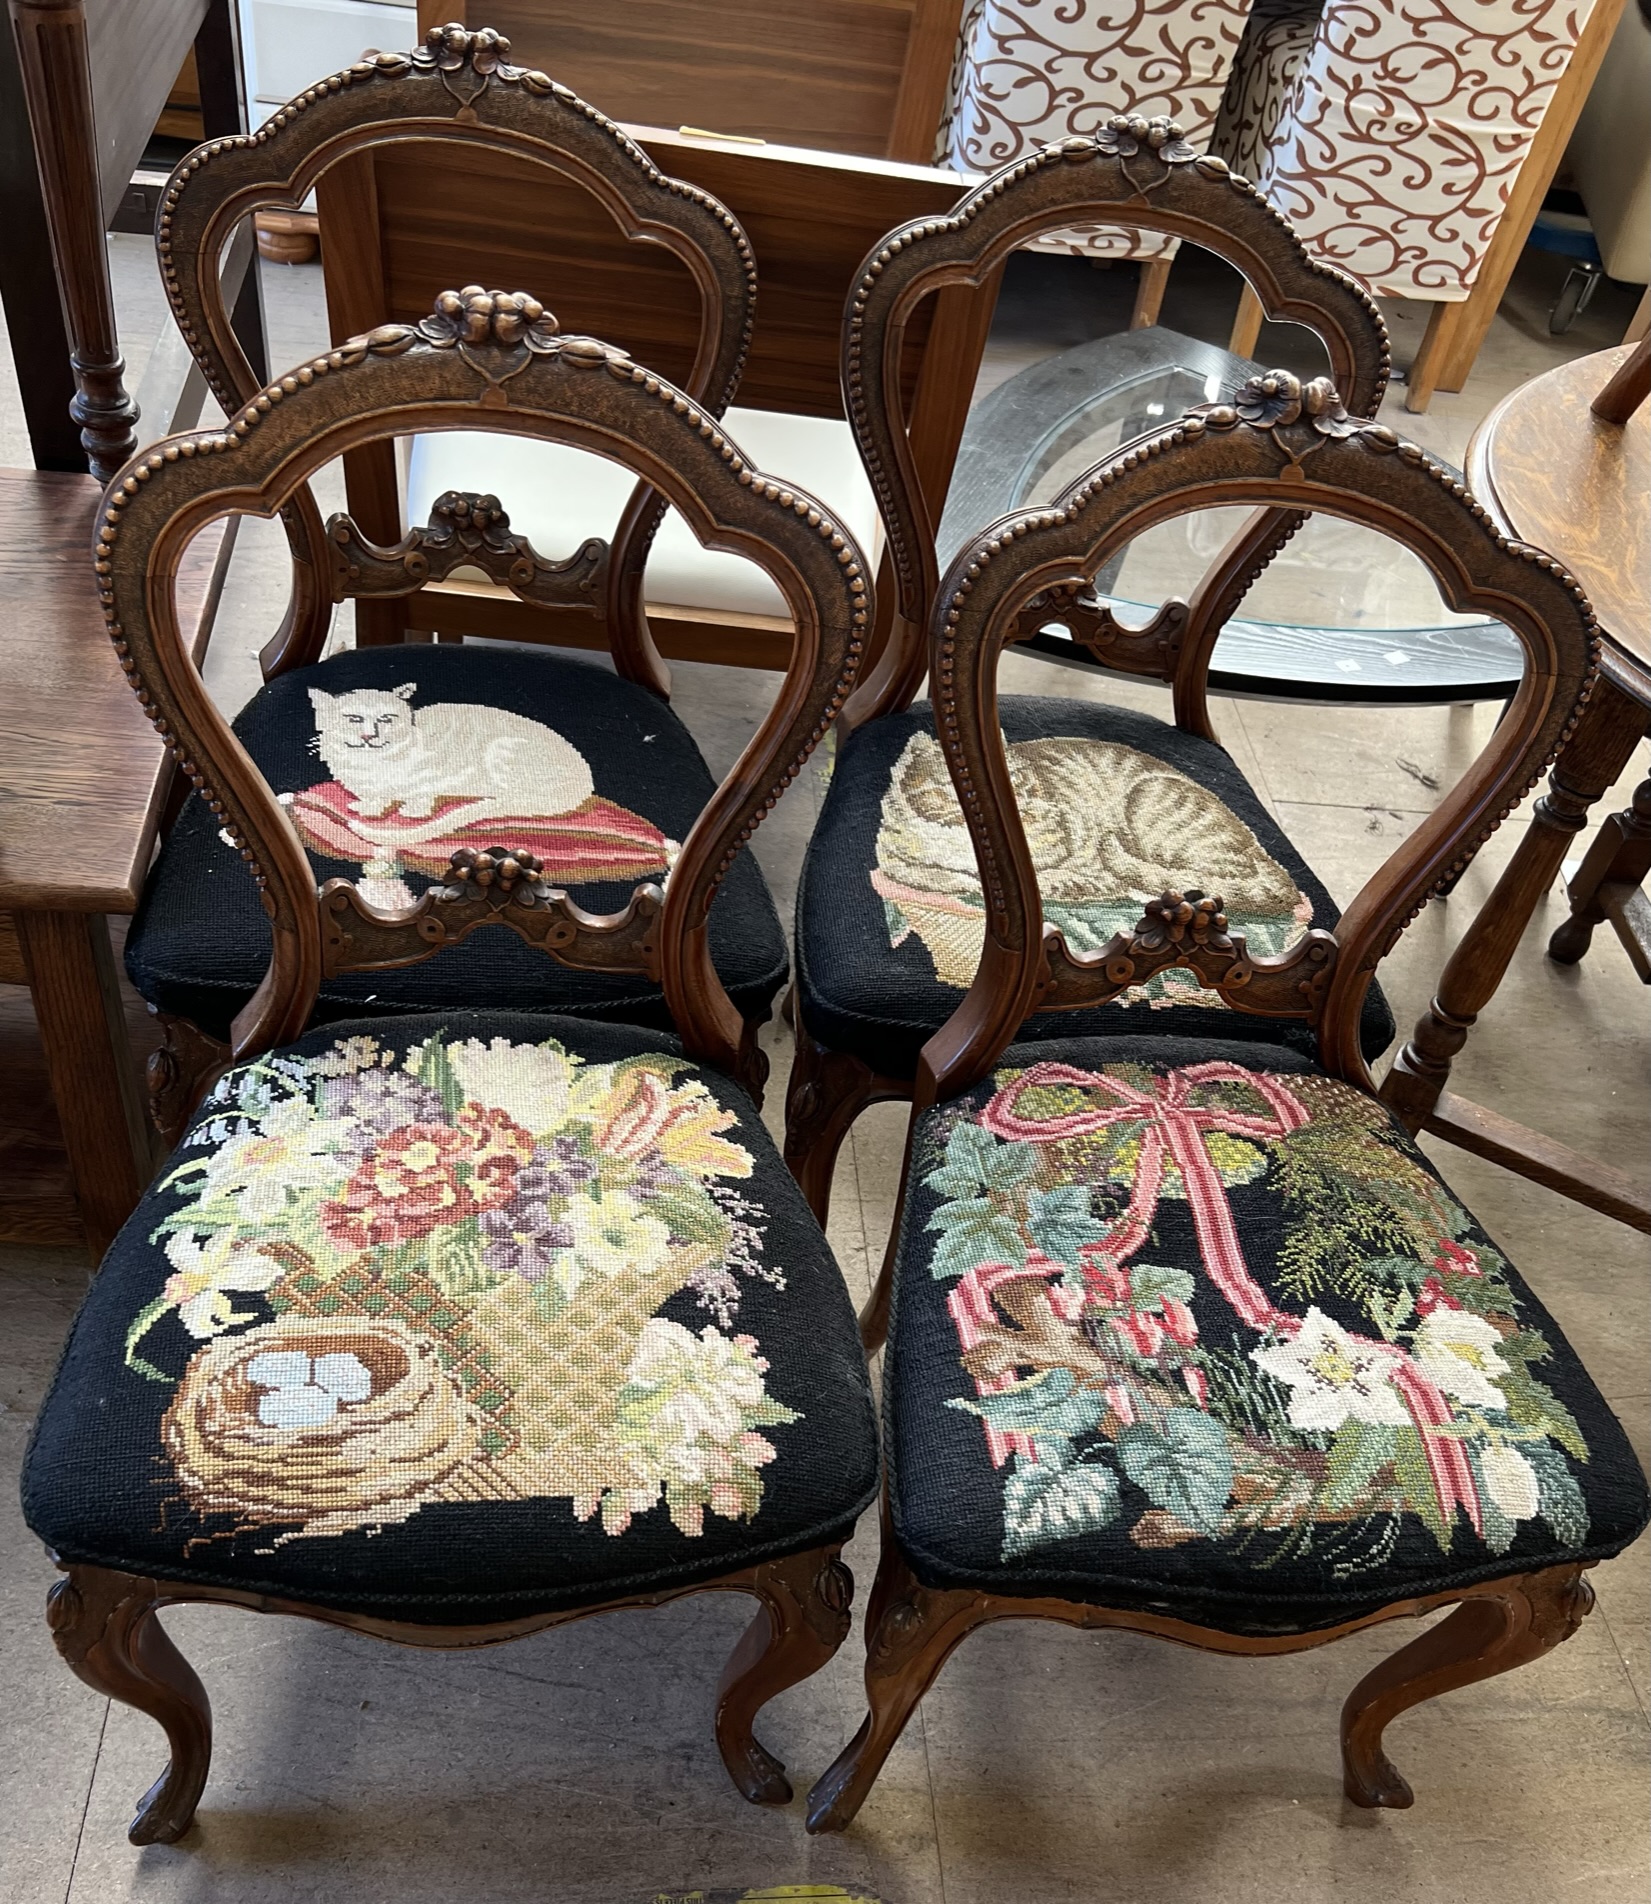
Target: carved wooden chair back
1142, 174
1279, 438
497, 361
459, 91
395, 230
533, 183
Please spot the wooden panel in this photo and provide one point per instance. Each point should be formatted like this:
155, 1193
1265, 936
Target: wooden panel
11, 953
1562, 478
37, 1202
502, 221
136, 52
811, 217
680, 634
813, 72
82, 773
80, 1013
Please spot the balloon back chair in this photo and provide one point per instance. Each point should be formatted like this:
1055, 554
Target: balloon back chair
459, 95
455, 1325
889, 915
634, 779
450, 164
1187, 1335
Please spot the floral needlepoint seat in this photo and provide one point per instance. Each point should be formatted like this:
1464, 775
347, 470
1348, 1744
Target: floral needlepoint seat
1198, 1330
390, 761
459, 1320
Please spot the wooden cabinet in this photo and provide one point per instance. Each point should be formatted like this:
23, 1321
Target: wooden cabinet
861, 76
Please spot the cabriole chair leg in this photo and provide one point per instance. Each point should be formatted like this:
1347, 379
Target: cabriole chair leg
104, 1625
803, 1620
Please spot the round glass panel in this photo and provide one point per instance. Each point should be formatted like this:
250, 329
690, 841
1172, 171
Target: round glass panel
1341, 611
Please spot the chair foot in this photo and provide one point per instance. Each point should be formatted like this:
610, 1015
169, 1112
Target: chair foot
803, 1620
104, 1625
910, 1631
1519, 1622
827, 1092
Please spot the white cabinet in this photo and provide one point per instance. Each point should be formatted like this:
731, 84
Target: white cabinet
286, 45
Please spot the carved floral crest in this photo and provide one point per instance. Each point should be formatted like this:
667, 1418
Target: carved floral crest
1126, 136
498, 333
1278, 401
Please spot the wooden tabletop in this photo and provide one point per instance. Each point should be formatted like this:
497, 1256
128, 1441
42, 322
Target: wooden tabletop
82, 773
1558, 477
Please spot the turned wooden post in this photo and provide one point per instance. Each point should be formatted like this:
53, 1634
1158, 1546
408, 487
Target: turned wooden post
1611, 725
57, 83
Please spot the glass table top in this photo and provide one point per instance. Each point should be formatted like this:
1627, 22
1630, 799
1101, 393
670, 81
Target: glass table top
1341, 612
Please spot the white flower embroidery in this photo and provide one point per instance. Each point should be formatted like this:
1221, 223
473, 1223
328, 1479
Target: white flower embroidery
203, 1275
1511, 1482
1459, 1351
1333, 1375
699, 1388
529, 1083
612, 1236
293, 1149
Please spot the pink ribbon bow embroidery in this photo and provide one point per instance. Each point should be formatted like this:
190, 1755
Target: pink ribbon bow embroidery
1172, 1127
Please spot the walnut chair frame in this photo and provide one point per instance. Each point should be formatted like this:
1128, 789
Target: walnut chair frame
1282, 447
488, 365
459, 88
1134, 171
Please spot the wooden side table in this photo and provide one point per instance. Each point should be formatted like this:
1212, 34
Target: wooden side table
83, 782
1557, 475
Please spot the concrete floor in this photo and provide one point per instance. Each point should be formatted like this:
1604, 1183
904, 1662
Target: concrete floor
1045, 1765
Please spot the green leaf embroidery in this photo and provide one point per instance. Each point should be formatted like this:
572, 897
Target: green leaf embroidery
1049, 1405
975, 1160
1061, 1223
972, 1232
1150, 1285
435, 1071
1415, 1479
1048, 1500
689, 1214
1562, 1505
1531, 1404
1185, 1466
1358, 1454
142, 1323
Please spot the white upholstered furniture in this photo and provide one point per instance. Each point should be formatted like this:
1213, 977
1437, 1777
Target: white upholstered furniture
1029, 72
558, 496
1411, 142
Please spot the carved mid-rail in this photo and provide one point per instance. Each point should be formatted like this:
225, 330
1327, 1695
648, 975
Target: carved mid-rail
465, 530
1151, 650
500, 885
1190, 930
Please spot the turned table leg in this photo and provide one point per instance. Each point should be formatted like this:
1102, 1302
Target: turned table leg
76, 996
1610, 728
1609, 877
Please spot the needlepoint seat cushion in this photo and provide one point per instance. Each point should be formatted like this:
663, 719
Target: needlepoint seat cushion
1118, 808
460, 1318
389, 761
1197, 1329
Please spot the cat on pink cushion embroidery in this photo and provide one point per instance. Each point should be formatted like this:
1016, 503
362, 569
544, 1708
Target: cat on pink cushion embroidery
411, 785
387, 754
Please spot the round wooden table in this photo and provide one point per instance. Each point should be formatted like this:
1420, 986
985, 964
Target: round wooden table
1557, 473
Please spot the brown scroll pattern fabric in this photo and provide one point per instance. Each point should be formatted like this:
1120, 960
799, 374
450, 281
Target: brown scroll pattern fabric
1029, 72
1406, 130
1276, 41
